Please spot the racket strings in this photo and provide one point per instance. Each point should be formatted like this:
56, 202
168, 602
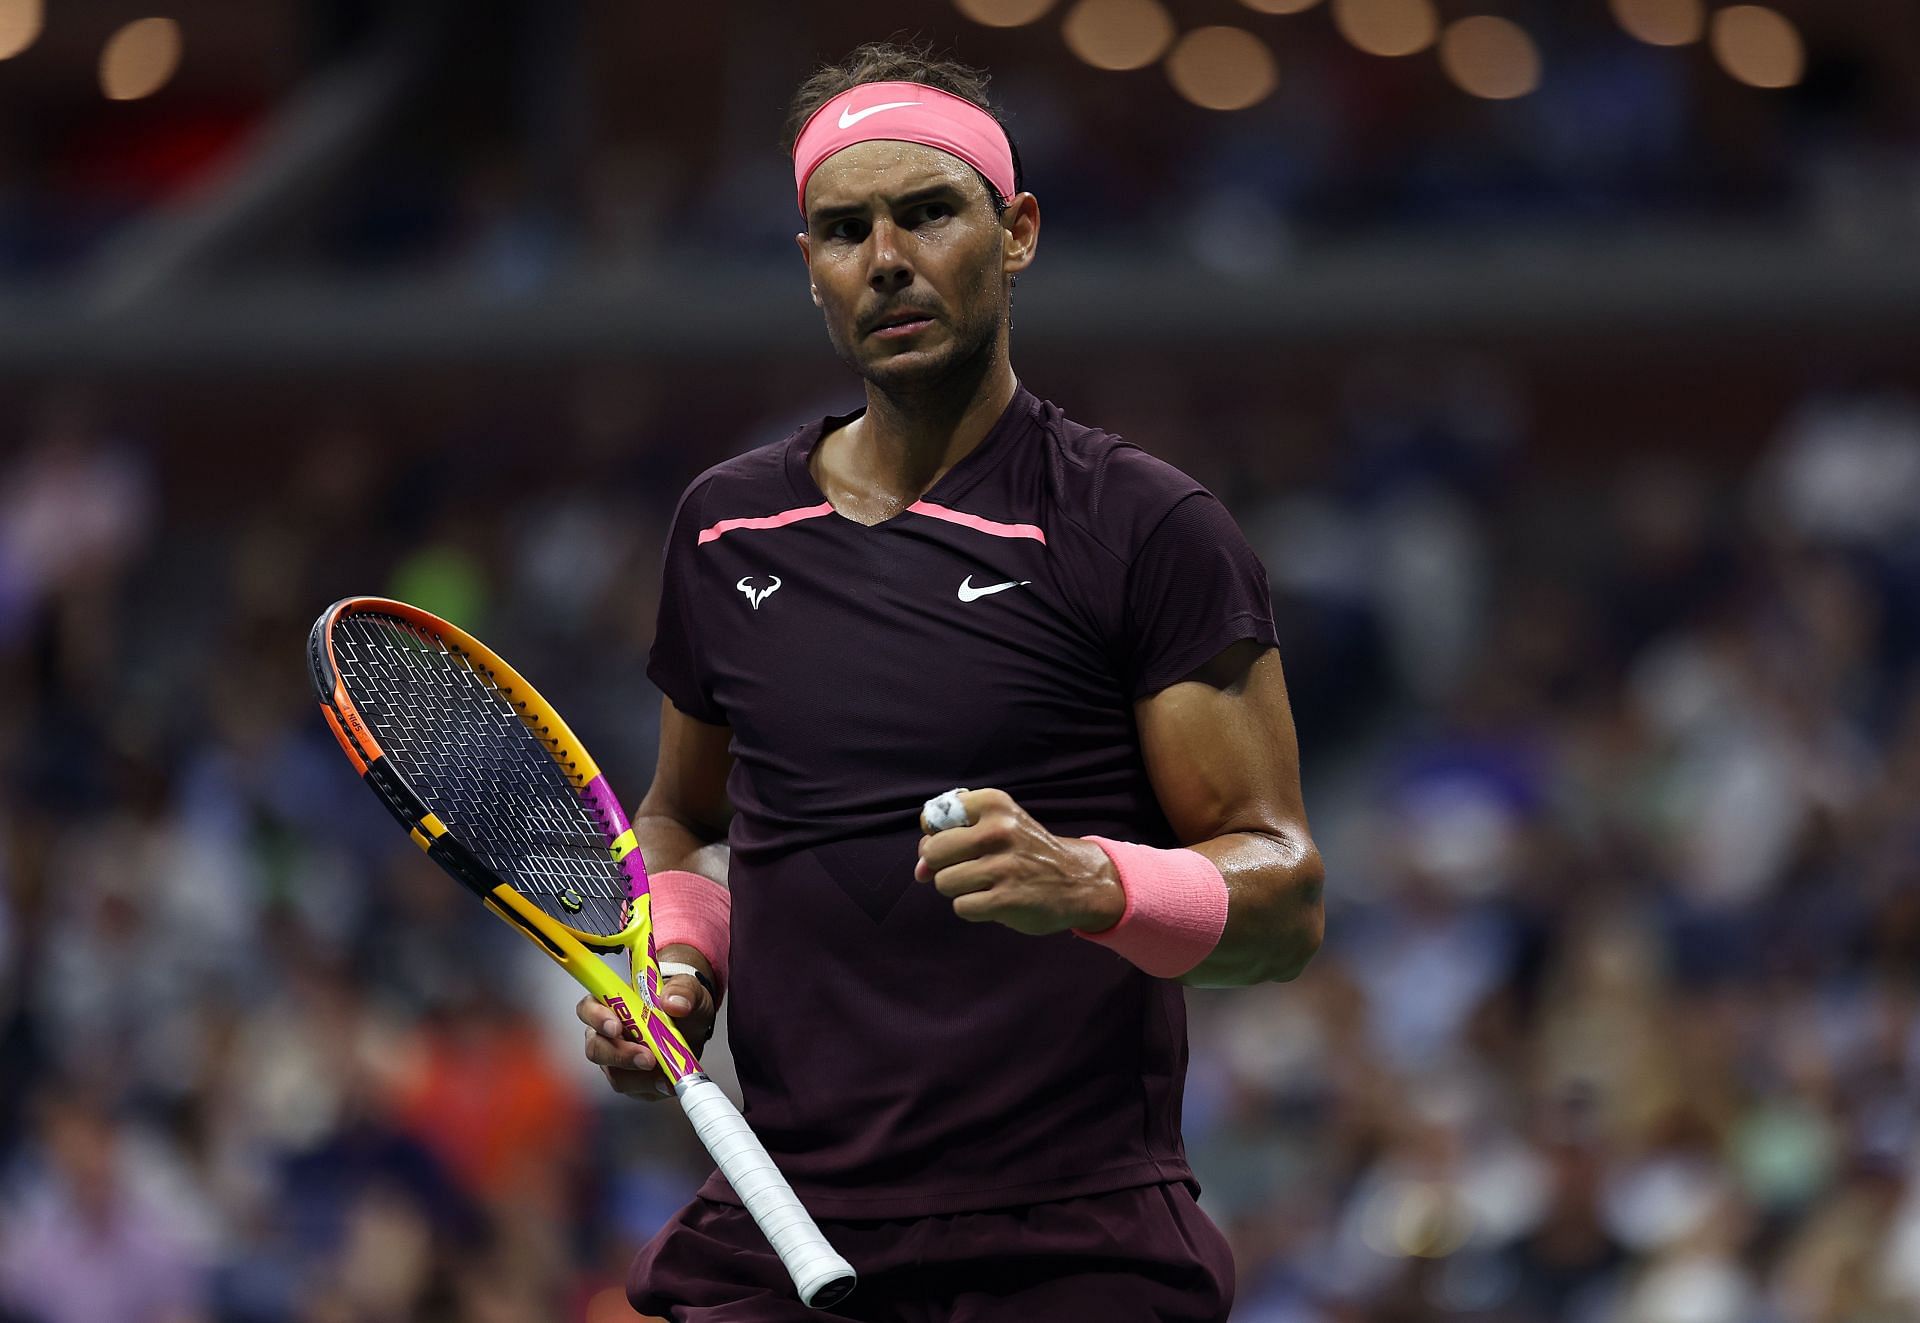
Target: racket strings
457, 738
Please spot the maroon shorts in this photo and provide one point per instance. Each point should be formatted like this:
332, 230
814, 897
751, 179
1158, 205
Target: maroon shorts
1145, 1255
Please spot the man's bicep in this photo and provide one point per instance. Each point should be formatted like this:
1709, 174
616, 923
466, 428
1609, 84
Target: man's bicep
1220, 747
690, 778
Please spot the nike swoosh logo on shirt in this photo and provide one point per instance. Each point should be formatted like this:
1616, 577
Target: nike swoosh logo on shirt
850, 118
968, 593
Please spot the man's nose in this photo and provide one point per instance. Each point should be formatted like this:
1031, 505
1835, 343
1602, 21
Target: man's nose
888, 270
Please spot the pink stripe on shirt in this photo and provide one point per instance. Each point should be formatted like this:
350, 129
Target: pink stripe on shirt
793, 516
990, 526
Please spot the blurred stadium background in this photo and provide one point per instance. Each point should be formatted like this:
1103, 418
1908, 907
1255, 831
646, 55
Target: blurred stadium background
1559, 357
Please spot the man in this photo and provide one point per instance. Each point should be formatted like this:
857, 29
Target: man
965, 1049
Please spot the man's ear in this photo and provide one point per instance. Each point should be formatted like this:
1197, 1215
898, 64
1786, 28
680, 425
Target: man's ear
806, 256
1021, 220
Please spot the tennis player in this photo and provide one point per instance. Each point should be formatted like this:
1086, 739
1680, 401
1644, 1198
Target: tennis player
965, 1048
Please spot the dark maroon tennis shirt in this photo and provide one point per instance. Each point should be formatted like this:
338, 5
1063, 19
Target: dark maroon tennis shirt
896, 1060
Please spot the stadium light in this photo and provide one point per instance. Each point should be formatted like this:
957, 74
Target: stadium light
1222, 68
1118, 34
1490, 57
1661, 22
1003, 13
1758, 46
1280, 6
1387, 27
138, 60
20, 24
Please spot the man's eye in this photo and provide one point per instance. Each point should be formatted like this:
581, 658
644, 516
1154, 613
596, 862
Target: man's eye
846, 229
935, 211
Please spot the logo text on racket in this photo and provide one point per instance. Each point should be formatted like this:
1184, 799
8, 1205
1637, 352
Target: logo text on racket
629, 1029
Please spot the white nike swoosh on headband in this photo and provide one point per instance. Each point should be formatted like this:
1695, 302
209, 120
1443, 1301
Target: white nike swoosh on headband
850, 118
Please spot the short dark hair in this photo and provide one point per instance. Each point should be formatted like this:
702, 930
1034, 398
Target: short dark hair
897, 62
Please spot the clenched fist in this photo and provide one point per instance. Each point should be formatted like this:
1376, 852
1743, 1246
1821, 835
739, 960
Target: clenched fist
1003, 867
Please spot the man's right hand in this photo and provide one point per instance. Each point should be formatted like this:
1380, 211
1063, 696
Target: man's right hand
630, 1067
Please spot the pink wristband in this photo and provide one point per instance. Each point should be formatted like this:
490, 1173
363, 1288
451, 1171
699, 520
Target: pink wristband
1176, 907
696, 911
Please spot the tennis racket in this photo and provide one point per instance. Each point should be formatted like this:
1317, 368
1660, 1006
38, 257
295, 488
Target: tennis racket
491, 783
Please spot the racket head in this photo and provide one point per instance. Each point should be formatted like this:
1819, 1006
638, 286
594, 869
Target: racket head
482, 771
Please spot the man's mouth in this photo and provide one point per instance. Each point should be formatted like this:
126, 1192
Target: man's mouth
900, 323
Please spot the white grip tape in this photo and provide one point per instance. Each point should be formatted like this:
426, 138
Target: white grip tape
789, 1228
945, 811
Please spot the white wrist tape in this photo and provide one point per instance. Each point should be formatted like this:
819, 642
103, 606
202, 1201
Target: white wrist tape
944, 811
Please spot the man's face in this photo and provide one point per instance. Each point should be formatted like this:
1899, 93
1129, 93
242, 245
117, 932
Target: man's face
908, 260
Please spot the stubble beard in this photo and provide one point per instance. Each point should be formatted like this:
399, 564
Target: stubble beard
969, 345
932, 372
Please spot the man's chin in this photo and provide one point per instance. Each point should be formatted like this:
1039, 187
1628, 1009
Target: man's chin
906, 368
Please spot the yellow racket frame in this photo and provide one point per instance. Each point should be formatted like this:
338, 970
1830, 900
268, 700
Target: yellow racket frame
636, 1003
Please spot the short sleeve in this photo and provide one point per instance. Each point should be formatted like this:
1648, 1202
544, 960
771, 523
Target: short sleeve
1194, 587
673, 663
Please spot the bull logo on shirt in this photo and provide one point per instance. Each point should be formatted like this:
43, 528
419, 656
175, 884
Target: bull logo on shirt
758, 595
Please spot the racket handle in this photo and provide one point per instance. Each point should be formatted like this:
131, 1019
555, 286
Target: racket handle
822, 1276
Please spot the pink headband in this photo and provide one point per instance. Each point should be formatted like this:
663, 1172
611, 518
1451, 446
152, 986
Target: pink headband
904, 112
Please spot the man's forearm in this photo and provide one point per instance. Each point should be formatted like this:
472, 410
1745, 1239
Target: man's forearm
667, 844
1274, 915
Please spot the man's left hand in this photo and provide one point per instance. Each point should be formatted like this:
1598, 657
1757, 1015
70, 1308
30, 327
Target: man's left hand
1006, 868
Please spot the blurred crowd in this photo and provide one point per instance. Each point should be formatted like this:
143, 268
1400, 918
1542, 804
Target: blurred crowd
1614, 757
1617, 1021
1615, 762
1350, 147
551, 137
